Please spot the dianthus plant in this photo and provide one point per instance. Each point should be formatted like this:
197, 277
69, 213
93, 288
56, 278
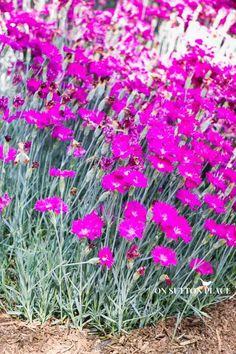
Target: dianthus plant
117, 159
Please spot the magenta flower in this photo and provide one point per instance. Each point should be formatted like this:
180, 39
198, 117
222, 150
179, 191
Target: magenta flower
164, 213
229, 174
76, 149
223, 231
135, 210
91, 117
79, 152
107, 66
131, 228
165, 256
168, 280
54, 172
188, 198
54, 204
228, 233
33, 85
178, 227
62, 133
161, 140
134, 178
123, 178
18, 101
75, 69
106, 163
201, 266
7, 154
214, 202
121, 146
115, 181
217, 181
193, 182
191, 175
132, 253
5, 200
6, 6
141, 271
3, 103
211, 225
89, 227
161, 164
106, 257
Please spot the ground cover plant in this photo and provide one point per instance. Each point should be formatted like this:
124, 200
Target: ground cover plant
117, 158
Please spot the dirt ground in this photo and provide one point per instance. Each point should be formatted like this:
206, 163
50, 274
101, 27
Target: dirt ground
195, 336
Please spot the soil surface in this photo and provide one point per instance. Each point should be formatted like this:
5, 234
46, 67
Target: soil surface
215, 335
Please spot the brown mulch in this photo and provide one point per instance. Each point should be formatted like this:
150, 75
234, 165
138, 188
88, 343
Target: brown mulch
195, 336
216, 335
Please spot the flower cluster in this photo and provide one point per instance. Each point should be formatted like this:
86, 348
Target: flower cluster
123, 121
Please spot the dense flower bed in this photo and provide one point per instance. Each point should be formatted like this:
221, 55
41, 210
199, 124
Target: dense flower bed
117, 158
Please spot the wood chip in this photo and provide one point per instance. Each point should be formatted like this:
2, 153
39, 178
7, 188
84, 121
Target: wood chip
188, 342
219, 340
